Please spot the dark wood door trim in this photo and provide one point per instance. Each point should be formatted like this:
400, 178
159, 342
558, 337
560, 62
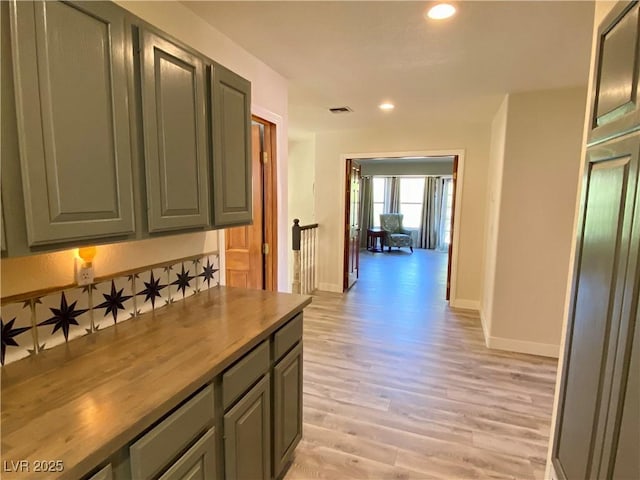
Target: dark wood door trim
453, 214
269, 202
347, 224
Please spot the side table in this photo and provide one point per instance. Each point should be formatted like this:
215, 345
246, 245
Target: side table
373, 234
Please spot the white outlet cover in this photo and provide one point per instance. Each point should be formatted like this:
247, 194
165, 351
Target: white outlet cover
84, 276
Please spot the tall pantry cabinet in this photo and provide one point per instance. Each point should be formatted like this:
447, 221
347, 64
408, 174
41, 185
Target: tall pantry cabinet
598, 426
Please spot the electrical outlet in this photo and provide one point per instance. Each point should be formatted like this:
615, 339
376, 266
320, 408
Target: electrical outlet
85, 276
84, 273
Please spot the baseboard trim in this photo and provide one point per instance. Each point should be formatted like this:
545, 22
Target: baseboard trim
523, 346
485, 331
465, 304
329, 287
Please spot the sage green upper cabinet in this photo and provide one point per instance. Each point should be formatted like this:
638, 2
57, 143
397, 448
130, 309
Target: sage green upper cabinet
175, 135
73, 124
615, 106
231, 114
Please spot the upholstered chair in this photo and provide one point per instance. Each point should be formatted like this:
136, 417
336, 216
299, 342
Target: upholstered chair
395, 235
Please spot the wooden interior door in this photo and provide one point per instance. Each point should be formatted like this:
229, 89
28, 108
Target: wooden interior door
453, 214
352, 224
244, 257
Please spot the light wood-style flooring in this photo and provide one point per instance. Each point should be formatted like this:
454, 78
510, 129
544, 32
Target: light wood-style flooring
398, 386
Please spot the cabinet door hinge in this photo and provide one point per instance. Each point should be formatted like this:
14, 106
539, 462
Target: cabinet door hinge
265, 248
265, 158
455, 175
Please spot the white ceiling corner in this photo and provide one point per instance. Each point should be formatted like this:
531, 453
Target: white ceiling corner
360, 53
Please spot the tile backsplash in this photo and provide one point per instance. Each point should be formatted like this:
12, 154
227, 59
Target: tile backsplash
62, 316
44, 321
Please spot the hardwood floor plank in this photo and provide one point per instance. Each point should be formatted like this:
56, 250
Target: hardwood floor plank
399, 386
321, 462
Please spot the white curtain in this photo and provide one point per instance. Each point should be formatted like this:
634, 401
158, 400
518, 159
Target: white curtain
444, 217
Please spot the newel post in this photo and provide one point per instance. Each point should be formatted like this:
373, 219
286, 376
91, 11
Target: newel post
295, 240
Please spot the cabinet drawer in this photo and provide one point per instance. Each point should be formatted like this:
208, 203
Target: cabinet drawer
105, 474
198, 463
287, 337
164, 442
243, 374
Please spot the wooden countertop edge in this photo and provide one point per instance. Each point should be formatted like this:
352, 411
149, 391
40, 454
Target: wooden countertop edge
141, 425
99, 456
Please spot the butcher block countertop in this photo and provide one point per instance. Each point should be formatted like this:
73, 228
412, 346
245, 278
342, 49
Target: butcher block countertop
81, 402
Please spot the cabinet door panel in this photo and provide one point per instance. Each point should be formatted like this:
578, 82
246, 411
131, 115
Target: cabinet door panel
287, 408
105, 474
175, 135
232, 148
615, 106
198, 463
72, 109
247, 435
597, 312
627, 461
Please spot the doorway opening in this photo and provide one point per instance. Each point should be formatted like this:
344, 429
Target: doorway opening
402, 205
251, 252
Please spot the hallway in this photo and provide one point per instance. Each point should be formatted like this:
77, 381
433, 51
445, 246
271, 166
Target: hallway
397, 385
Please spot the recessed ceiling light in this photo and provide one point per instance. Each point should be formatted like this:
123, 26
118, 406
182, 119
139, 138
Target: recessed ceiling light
386, 106
441, 11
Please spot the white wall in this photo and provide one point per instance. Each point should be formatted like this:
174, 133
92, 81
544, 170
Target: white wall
399, 167
542, 158
329, 203
302, 154
494, 190
270, 100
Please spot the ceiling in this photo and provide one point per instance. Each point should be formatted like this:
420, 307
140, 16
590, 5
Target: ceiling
360, 53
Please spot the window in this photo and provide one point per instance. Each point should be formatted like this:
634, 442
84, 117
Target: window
411, 195
378, 199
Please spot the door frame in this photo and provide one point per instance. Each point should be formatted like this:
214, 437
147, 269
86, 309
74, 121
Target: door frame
452, 267
269, 202
349, 164
270, 209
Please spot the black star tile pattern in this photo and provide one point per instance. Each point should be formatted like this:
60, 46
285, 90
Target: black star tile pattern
208, 273
113, 301
9, 334
152, 290
64, 317
183, 281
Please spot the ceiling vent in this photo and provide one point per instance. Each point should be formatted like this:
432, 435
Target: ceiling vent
340, 110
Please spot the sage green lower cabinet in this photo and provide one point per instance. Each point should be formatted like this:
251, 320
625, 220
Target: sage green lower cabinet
198, 463
164, 442
247, 435
287, 408
104, 474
